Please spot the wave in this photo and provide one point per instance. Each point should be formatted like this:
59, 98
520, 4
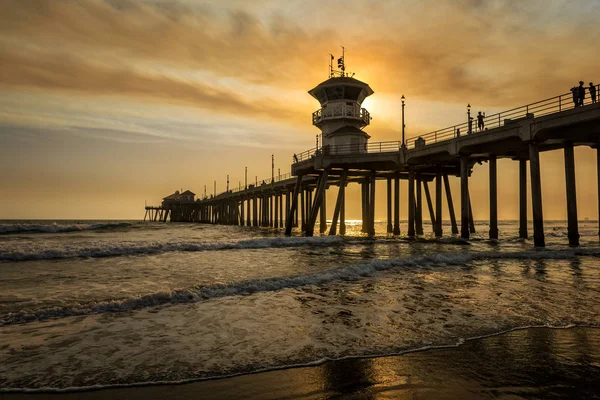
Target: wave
139, 248
6, 229
353, 272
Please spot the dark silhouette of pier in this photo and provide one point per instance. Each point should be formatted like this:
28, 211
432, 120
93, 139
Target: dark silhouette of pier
346, 156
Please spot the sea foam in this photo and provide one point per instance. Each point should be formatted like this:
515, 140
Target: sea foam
352, 272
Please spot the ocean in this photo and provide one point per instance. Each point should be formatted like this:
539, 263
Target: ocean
95, 304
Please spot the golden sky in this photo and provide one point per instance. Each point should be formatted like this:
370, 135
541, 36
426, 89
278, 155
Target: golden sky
107, 103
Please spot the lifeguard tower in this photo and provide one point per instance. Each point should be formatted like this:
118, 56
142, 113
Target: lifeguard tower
341, 118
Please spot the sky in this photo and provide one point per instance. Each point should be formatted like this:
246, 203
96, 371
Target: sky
108, 104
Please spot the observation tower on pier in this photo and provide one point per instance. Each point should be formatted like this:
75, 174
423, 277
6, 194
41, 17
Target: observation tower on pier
341, 118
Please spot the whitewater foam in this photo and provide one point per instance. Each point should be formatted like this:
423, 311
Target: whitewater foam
109, 249
352, 272
58, 228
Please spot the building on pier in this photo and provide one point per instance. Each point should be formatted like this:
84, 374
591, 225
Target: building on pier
341, 117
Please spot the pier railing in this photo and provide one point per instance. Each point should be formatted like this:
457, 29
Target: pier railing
258, 183
341, 110
540, 108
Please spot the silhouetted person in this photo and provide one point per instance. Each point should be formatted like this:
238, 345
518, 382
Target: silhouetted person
457, 132
592, 92
581, 93
295, 158
575, 91
480, 122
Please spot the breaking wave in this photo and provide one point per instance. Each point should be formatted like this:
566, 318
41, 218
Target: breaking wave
138, 248
352, 272
6, 229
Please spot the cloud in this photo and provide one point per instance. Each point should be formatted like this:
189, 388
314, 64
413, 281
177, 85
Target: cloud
485, 52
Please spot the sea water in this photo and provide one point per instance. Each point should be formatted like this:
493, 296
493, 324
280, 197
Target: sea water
99, 303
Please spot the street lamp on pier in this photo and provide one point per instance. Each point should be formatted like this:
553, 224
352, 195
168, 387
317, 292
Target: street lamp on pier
403, 126
469, 123
317, 139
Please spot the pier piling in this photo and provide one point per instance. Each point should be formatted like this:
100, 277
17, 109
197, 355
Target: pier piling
536, 196
572, 225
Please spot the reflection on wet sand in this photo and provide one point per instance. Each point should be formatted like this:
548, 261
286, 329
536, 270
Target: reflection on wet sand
535, 363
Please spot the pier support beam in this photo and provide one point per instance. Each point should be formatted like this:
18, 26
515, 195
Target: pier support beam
276, 213
411, 203
471, 218
290, 217
523, 199
536, 196
242, 220
281, 210
338, 204
438, 202
302, 210
364, 187
598, 178
397, 202
464, 197
419, 207
248, 215
317, 203
343, 213
389, 205
573, 228
372, 205
493, 198
429, 205
450, 205
323, 213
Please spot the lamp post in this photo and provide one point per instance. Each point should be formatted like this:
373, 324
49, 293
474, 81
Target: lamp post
246, 179
469, 124
272, 168
227, 190
317, 139
403, 126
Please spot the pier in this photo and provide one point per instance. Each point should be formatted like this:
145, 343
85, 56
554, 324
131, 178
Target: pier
346, 156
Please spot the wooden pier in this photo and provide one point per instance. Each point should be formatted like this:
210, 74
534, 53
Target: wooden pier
298, 200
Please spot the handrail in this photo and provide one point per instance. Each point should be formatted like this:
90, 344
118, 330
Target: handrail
258, 184
341, 110
539, 108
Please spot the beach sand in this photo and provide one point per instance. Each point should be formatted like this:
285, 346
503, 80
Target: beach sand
533, 363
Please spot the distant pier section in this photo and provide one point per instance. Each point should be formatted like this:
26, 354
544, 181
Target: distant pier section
347, 156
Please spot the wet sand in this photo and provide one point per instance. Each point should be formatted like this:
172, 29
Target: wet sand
534, 363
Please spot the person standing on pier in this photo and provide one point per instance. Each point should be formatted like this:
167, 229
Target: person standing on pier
592, 92
575, 91
480, 122
581, 93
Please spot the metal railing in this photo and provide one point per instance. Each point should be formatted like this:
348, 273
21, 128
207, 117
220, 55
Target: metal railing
341, 110
257, 184
552, 105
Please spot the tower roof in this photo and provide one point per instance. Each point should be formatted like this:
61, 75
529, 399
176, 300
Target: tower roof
341, 88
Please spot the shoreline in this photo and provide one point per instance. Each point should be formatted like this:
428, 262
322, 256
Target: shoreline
311, 380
